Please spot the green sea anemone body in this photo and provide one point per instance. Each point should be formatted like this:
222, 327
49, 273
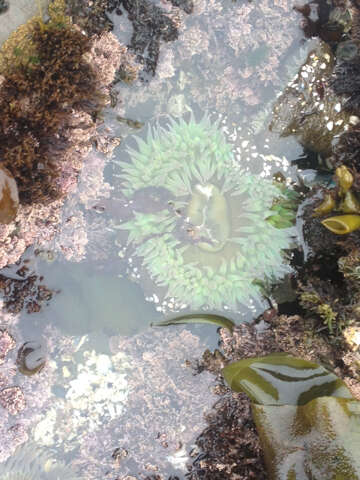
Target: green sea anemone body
32, 462
224, 228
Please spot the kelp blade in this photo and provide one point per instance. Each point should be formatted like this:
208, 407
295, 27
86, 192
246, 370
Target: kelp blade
279, 379
307, 420
210, 318
319, 440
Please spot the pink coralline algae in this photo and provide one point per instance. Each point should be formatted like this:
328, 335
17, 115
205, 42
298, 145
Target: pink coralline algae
7, 343
12, 399
11, 438
71, 238
135, 411
92, 186
164, 412
82, 230
250, 37
32, 223
106, 56
22, 398
229, 55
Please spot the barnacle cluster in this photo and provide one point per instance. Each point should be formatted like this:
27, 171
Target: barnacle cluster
221, 229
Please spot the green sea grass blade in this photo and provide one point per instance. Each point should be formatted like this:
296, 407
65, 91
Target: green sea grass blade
210, 318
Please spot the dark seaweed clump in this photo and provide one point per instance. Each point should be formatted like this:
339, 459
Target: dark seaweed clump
229, 446
327, 286
90, 16
39, 98
26, 291
150, 27
347, 81
347, 149
186, 5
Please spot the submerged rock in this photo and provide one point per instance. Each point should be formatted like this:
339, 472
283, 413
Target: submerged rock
308, 108
34, 462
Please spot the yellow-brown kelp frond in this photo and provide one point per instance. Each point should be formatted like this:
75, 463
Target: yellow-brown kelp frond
46, 82
342, 224
342, 199
307, 420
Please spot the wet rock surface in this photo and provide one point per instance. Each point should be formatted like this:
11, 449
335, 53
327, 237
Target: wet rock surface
308, 109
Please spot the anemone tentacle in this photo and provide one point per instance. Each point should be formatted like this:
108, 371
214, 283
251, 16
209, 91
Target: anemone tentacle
227, 227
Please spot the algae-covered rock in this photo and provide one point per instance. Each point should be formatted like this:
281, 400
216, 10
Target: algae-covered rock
307, 420
308, 108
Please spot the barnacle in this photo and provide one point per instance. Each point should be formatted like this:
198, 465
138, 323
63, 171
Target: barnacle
223, 229
31, 462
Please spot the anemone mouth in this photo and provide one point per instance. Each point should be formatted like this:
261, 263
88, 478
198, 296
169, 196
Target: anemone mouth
208, 217
208, 249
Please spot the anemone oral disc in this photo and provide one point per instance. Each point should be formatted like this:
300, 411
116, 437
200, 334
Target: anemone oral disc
208, 212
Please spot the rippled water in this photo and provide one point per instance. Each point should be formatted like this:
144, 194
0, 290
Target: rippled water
116, 397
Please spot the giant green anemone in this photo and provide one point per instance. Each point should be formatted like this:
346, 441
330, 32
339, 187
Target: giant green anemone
223, 230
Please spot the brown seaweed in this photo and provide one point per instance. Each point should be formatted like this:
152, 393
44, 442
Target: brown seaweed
307, 420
